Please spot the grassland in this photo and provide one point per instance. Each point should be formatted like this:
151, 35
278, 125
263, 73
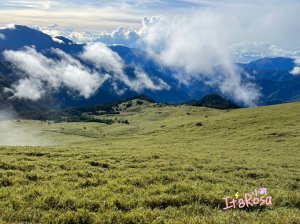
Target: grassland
169, 165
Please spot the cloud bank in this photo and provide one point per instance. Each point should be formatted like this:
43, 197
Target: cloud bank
40, 74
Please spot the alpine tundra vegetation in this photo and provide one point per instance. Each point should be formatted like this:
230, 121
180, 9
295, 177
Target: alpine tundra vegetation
160, 168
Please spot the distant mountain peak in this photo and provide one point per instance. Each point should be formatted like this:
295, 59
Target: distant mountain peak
21, 36
277, 63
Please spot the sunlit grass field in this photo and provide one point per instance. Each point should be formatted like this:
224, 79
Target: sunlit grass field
171, 164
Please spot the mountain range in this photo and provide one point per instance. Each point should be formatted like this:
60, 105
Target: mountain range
272, 75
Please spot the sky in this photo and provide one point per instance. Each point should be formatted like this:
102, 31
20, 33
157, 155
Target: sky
88, 14
274, 21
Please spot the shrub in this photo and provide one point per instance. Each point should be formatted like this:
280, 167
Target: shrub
5, 182
81, 217
32, 177
51, 202
128, 105
103, 165
139, 102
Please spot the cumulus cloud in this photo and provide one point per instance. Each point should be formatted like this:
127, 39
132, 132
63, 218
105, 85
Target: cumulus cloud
103, 57
44, 73
121, 36
130, 37
296, 69
2, 37
77, 36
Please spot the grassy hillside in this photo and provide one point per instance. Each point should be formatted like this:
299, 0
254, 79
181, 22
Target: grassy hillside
168, 165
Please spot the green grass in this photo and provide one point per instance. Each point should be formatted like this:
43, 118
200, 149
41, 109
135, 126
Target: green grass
161, 168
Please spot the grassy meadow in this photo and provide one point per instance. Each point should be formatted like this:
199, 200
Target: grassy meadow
170, 164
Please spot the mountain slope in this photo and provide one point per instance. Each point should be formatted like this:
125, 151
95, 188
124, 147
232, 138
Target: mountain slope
20, 36
275, 69
162, 167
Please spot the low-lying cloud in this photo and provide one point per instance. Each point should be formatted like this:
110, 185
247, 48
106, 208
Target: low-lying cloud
40, 74
7, 114
296, 69
103, 57
2, 37
12, 133
197, 45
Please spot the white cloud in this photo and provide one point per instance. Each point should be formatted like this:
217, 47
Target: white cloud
276, 21
193, 43
2, 36
245, 44
103, 57
44, 73
76, 36
41, 74
31, 89
122, 36
8, 26
119, 36
143, 81
250, 51
296, 69
129, 37
197, 44
255, 31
